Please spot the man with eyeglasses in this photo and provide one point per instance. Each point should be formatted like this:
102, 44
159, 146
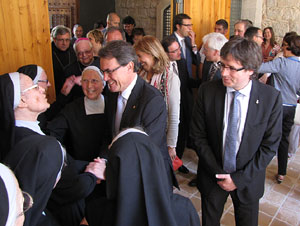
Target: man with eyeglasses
236, 126
255, 34
185, 36
131, 101
62, 54
84, 52
178, 65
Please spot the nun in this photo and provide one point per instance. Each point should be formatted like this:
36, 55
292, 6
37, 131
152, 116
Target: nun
13, 202
81, 126
35, 159
39, 77
137, 187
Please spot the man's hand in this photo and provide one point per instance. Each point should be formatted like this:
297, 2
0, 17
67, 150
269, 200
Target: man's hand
77, 80
172, 153
192, 36
97, 168
226, 183
68, 85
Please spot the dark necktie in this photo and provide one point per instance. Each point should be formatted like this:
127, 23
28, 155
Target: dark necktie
231, 136
212, 71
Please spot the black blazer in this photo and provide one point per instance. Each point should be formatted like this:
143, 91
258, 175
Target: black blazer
260, 140
146, 108
191, 58
205, 72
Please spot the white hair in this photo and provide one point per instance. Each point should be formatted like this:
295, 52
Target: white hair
215, 40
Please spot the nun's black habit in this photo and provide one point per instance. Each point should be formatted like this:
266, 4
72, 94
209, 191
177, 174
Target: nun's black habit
35, 159
137, 188
7, 117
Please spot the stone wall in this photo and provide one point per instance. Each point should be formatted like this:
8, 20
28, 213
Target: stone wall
143, 11
282, 15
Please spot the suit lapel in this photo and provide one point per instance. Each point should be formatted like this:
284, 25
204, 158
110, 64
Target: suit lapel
252, 116
131, 103
219, 109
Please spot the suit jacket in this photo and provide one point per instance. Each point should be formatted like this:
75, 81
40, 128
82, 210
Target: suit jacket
145, 108
186, 94
205, 72
260, 140
191, 58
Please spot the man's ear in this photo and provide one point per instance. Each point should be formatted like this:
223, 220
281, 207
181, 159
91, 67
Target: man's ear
130, 66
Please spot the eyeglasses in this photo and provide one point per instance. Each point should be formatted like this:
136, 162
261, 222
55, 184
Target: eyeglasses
84, 52
93, 81
187, 25
30, 88
174, 51
110, 71
232, 69
27, 203
45, 81
261, 37
63, 40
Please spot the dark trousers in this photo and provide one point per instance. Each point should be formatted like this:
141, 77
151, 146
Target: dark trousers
282, 153
182, 138
246, 214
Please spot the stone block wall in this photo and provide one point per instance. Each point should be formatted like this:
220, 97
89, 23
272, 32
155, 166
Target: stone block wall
143, 11
282, 15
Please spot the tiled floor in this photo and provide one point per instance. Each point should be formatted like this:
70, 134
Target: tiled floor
280, 205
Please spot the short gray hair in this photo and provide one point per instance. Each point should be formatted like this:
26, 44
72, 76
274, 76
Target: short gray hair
215, 40
113, 29
122, 51
60, 30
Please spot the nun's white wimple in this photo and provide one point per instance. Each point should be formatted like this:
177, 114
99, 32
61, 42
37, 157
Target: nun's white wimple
11, 189
15, 78
38, 75
94, 68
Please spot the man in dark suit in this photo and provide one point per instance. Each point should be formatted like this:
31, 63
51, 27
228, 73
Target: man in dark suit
185, 36
131, 101
236, 135
178, 66
212, 44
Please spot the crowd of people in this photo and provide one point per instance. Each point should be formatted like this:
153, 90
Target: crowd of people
102, 153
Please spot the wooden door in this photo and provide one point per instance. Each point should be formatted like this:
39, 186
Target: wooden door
205, 13
25, 37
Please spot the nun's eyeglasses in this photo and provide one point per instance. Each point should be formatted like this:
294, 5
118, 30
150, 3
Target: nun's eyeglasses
30, 88
27, 203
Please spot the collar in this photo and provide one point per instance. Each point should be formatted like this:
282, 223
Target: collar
94, 106
33, 125
126, 93
179, 37
245, 91
124, 132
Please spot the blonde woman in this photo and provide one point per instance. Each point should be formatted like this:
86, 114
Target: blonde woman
155, 70
96, 38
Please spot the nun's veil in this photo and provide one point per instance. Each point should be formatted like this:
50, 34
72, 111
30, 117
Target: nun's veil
7, 117
33, 71
8, 196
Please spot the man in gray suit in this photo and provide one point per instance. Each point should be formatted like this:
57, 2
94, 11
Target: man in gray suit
131, 101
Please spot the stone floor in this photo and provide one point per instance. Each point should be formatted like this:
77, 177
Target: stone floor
279, 206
